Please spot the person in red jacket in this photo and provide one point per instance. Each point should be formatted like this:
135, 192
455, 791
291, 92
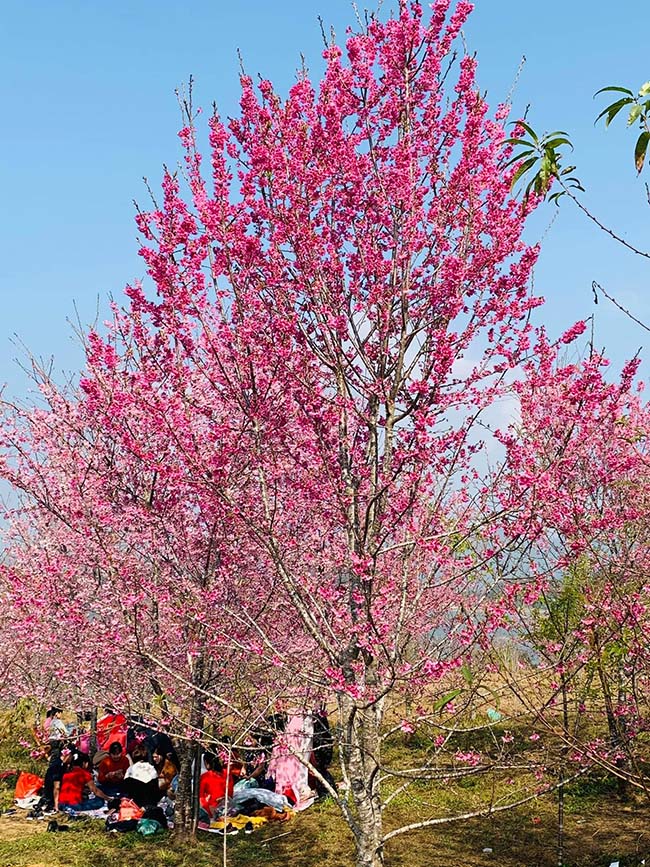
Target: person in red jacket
111, 771
213, 785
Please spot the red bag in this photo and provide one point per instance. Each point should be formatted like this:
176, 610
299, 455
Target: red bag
28, 784
129, 810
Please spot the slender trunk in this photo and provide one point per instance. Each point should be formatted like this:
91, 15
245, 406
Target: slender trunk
616, 729
560, 791
622, 763
186, 810
560, 826
183, 802
93, 731
361, 752
196, 782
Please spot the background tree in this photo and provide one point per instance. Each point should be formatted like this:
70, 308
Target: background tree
590, 599
111, 546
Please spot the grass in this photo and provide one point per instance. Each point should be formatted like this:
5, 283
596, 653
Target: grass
605, 833
599, 830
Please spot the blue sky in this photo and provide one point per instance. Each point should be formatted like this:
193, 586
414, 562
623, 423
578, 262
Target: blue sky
89, 109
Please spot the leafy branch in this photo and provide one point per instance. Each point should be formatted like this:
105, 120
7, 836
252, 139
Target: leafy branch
538, 159
541, 159
639, 110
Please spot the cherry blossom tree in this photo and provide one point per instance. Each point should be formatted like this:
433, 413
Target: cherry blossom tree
111, 548
359, 285
280, 462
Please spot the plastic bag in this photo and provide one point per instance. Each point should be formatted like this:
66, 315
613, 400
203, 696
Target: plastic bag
245, 784
147, 827
27, 785
129, 810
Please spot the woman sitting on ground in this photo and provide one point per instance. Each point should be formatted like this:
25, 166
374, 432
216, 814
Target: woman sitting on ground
212, 787
74, 783
165, 768
257, 759
141, 779
230, 757
161, 742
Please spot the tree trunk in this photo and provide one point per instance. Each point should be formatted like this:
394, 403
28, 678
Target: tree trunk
183, 802
560, 825
361, 754
560, 791
616, 727
369, 846
93, 746
186, 806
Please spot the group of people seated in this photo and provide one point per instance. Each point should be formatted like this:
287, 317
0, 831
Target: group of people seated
143, 776
119, 760
285, 761
140, 766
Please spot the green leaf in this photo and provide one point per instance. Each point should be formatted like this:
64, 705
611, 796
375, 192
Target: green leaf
444, 700
523, 168
557, 142
466, 671
518, 141
645, 89
518, 157
635, 112
528, 129
618, 89
640, 150
612, 110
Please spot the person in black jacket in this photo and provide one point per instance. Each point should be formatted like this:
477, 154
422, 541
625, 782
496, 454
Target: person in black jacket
141, 780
